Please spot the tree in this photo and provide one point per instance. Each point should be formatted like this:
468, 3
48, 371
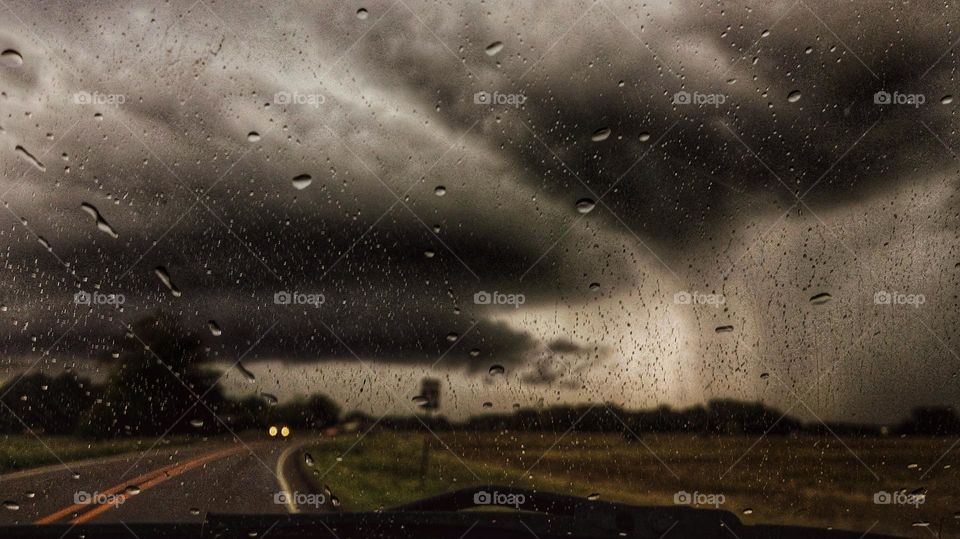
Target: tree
51, 405
155, 387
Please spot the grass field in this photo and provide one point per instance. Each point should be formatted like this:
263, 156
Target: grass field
18, 452
806, 480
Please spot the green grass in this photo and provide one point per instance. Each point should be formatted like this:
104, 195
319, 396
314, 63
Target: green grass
806, 480
20, 452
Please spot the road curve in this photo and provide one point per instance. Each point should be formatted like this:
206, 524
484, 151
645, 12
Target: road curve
178, 484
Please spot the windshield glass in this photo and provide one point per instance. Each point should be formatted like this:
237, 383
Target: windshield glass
314, 257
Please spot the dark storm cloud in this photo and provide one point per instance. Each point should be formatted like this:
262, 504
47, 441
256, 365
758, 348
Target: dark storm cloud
159, 151
699, 175
399, 114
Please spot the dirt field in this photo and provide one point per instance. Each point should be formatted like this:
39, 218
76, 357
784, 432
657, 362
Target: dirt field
808, 480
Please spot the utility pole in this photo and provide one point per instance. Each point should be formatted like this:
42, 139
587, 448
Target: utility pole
430, 391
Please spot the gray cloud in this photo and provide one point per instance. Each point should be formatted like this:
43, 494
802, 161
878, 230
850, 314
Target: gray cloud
687, 204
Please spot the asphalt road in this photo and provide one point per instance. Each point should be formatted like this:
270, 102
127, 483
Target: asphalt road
165, 484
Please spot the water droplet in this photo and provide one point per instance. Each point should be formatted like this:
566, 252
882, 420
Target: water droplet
764, 375
271, 399
644, 136
196, 423
194, 510
253, 136
821, 298
302, 181
30, 494
601, 134
362, 14
11, 58
247, 375
214, 328
420, 400
334, 501
11, 505
44, 243
748, 511
793, 96
488, 404
452, 337
808, 50
586, 205
133, 490
440, 190
475, 352
594, 287
765, 33
429, 253
493, 48
946, 100
102, 223
22, 152
724, 329
75, 475
308, 459
594, 496
497, 369
164, 276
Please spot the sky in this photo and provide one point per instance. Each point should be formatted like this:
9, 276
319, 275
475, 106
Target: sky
645, 204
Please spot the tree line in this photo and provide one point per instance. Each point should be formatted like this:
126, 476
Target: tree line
160, 385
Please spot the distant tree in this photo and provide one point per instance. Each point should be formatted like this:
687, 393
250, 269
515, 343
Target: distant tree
932, 420
314, 412
51, 405
728, 416
153, 389
321, 411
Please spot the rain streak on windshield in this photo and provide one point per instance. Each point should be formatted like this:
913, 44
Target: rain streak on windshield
334, 257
